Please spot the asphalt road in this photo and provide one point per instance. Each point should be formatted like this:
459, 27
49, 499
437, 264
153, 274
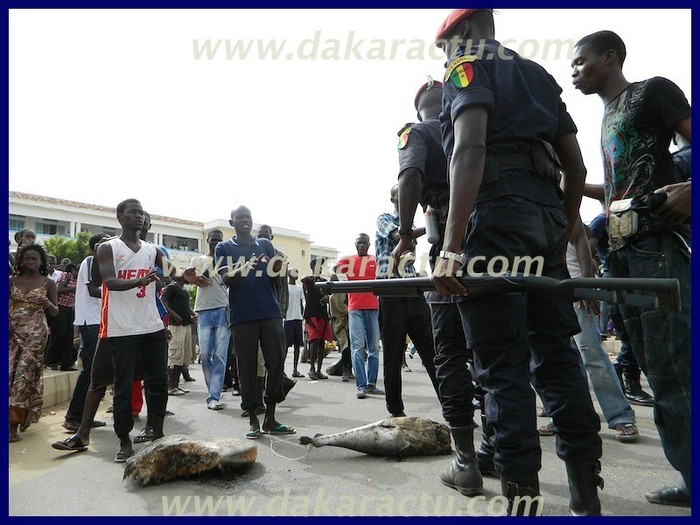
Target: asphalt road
289, 479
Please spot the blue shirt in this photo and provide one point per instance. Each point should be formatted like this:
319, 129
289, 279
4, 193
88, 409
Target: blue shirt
252, 297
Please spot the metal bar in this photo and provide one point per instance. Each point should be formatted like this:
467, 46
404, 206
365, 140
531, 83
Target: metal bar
657, 293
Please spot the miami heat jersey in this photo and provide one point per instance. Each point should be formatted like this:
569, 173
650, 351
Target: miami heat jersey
130, 312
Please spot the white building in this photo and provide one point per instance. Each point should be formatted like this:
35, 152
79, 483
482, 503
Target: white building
184, 239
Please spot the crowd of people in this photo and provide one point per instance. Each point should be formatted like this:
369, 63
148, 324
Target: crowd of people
495, 162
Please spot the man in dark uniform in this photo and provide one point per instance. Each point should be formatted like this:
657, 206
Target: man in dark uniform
423, 179
502, 122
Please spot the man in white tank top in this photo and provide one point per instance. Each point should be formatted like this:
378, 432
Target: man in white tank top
130, 320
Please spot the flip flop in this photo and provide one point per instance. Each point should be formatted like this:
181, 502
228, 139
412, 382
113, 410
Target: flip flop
15, 438
71, 444
626, 432
122, 456
145, 435
253, 434
280, 430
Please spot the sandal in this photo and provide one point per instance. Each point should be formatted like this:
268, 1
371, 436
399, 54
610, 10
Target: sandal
145, 435
297, 374
280, 429
626, 432
15, 438
27, 422
71, 444
546, 430
254, 434
122, 456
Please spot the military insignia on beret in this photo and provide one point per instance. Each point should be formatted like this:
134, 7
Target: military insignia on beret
460, 71
403, 137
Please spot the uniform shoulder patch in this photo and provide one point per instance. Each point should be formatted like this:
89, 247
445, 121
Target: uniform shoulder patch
403, 136
460, 71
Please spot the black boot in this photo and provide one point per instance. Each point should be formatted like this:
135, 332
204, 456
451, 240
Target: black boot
463, 473
523, 495
486, 450
583, 486
633, 388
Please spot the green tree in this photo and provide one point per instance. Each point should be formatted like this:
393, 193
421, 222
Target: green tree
75, 249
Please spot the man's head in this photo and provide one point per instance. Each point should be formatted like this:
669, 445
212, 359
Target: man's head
598, 58
428, 100
241, 220
362, 244
265, 232
394, 195
50, 263
64, 263
71, 268
316, 265
292, 275
96, 240
464, 24
26, 236
214, 237
130, 215
143, 234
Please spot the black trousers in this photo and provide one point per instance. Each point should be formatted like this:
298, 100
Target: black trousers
60, 350
126, 352
246, 336
401, 316
451, 357
507, 331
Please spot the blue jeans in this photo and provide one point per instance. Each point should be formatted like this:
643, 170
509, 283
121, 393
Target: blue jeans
661, 339
214, 334
606, 385
364, 333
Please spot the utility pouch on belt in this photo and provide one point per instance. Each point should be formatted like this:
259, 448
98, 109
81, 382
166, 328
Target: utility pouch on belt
546, 161
623, 221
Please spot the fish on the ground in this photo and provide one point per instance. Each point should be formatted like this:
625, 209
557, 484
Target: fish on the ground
173, 457
394, 436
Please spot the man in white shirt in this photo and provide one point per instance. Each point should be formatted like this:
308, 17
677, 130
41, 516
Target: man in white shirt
213, 331
88, 301
293, 322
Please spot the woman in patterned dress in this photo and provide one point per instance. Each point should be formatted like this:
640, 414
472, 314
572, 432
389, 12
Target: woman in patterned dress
32, 297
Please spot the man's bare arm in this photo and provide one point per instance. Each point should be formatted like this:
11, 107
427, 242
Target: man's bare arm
574, 176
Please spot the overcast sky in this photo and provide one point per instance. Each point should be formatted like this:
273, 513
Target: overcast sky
160, 104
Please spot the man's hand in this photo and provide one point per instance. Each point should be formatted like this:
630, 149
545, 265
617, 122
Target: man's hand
590, 306
676, 207
148, 278
191, 277
404, 245
445, 280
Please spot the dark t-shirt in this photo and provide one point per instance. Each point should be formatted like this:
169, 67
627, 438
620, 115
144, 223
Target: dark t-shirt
252, 297
312, 296
179, 301
635, 136
420, 147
